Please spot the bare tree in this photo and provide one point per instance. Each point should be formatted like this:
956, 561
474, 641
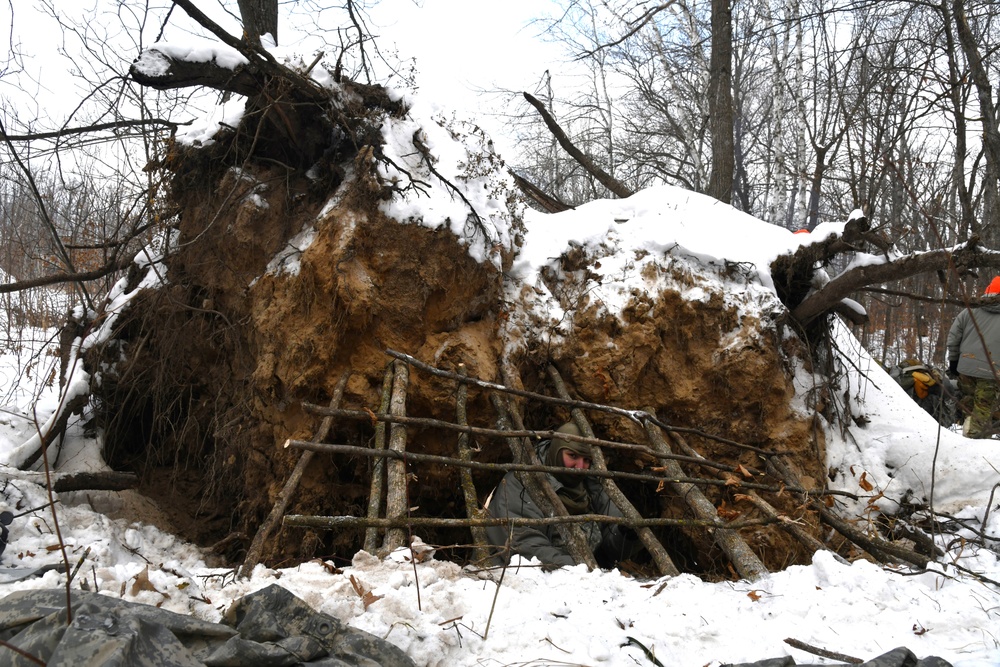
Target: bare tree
979, 70
720, 103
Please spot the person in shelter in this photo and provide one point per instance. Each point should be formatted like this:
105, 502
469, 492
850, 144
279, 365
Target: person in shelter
580, 495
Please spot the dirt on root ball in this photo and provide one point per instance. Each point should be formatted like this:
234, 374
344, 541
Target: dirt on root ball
214, 372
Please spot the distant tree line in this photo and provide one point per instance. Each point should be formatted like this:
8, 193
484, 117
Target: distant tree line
835, 105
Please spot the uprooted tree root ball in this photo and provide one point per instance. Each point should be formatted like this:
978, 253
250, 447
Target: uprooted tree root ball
209, 375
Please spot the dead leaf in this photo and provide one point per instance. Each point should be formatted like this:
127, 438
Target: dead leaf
372, 416
919, 629
743, 471
739, 497
367, 597
662, 485
727, 512
753, 595
142, 582
732, 480
873, 501
864, 483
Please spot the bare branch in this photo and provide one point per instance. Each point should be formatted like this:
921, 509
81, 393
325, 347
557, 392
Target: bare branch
606, 179
57, 278
859, 277
634, 27
241, 80
100, 127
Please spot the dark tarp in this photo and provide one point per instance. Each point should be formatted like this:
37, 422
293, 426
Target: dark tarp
269, 628
897, 657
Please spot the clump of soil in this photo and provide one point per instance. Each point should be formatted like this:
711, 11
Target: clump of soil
220, 362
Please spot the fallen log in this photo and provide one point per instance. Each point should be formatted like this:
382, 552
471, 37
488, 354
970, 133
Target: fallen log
95, 481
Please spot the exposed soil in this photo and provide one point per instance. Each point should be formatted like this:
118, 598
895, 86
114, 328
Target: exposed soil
219, 362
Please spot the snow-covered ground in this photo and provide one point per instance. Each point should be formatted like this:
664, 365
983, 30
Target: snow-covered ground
441, 614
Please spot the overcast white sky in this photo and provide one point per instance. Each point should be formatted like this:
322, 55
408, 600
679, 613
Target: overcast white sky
463, 44
463, 47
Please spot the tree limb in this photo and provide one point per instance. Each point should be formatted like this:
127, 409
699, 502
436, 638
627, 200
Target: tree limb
56, 278
606, 179
634, 26
170, 74
99, 127
242, 80
859, 277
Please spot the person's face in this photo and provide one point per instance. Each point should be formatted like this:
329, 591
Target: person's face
571, 459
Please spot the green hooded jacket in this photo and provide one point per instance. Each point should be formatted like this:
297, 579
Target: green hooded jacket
511, 499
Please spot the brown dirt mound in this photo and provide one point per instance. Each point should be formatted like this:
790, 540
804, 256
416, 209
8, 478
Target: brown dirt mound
219, 362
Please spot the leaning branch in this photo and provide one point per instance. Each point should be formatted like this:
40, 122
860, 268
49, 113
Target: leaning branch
246, 80
859, 277
57, 278
99, 127
606, 179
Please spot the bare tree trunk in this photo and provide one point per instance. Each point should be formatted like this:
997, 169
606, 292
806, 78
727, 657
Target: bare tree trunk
720, 103
958, 105
377, 487
260, 17
396, 502
991, 132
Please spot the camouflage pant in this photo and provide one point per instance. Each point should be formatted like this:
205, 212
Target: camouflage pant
981, 402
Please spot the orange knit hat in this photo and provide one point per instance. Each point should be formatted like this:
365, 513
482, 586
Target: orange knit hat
994, 287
